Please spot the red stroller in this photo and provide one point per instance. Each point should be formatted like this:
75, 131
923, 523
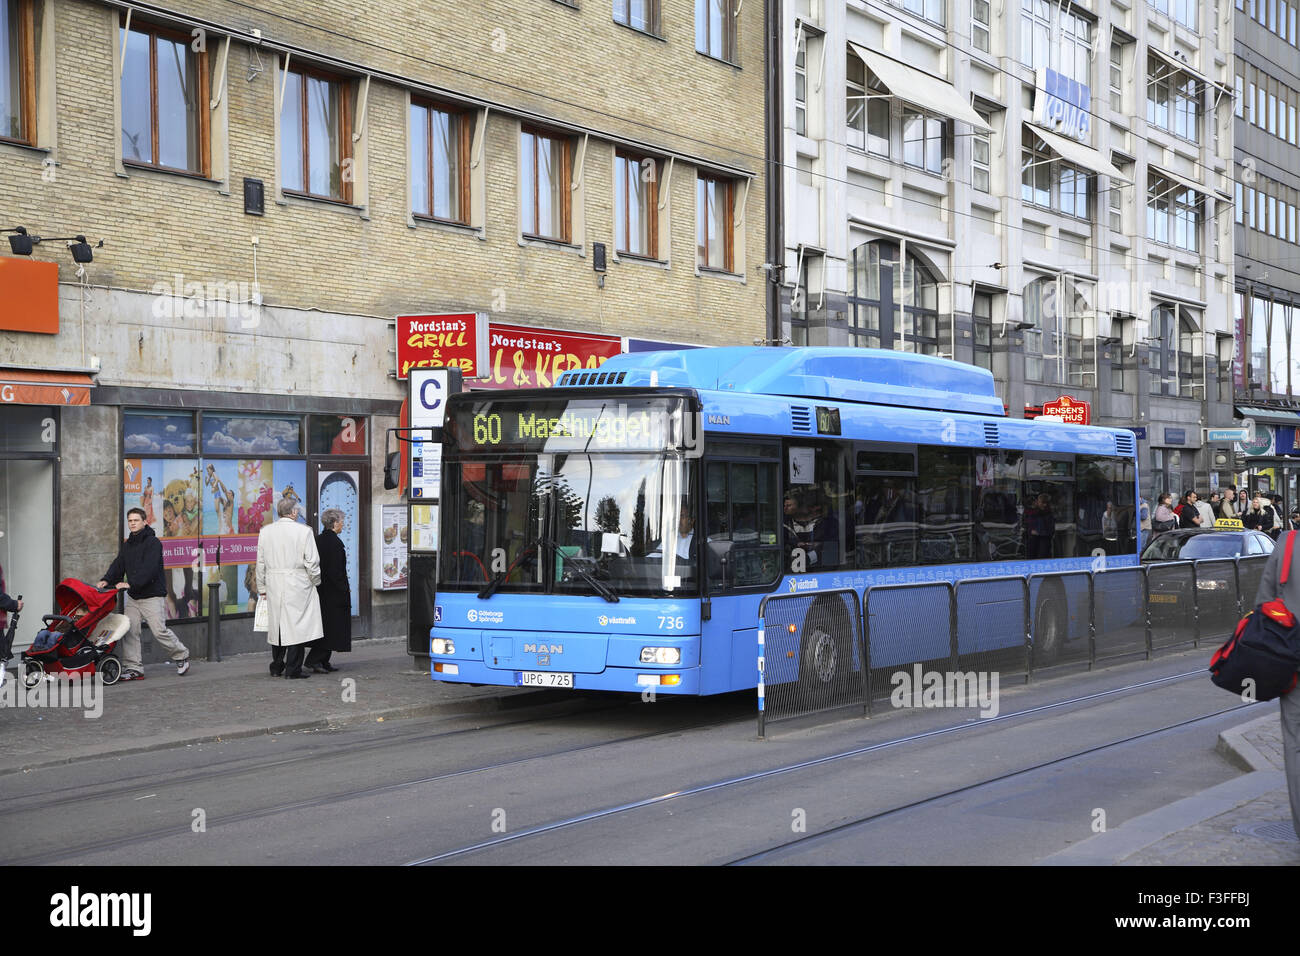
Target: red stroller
81, 638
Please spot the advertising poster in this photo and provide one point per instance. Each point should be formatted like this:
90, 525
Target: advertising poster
392, 539
424, 528
168, 491
533, 358
339, 489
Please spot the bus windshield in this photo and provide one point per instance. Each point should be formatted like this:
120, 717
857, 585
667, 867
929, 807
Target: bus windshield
588, 524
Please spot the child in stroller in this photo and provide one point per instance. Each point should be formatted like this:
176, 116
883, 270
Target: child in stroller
81, 638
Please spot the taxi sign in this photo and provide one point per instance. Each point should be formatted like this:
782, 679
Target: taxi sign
1229, 523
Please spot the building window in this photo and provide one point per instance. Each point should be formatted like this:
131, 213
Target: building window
544, 201
982, 155
439, 163
1239, 96
1035, 171
1177, 367
1173, 102
315, 136
164, 100
1054, 346
1073, 190
867, 110
715, 28
931, 10
1173, 214
923, 137
1055, 38
801, 85
799, 308
714, 223
636, 205
979, 25
640, 15
1115, 199
17, 71
891, 311
1117, 77
982, 320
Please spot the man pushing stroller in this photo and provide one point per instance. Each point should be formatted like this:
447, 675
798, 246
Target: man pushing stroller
138, 568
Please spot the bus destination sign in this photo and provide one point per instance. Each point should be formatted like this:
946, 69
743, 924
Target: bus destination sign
828, 420
646, 425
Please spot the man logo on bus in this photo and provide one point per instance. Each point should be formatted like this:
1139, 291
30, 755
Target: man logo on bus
472, 614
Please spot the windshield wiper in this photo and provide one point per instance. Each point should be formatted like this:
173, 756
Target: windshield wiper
573, 563
500, 579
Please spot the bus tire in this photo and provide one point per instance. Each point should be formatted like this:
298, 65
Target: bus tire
1049, 623
826, 655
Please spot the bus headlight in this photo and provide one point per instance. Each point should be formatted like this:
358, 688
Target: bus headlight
442, 645
661, 655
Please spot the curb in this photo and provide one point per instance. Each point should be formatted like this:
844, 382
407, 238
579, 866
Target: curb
1240, 751
481, 704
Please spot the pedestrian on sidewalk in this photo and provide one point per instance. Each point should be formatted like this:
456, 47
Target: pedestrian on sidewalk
1269, 589
138, 570
7, 603
335, 594
288, 570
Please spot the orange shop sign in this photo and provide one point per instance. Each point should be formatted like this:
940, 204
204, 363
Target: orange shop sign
535, 358
451, 340
23, 387
1072, 411
29, 296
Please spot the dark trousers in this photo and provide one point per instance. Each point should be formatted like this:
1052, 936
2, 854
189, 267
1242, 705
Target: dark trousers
318, 655
290, 663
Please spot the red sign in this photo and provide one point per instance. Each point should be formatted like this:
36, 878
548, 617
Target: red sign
29, 295
1072, 411
455, 340
535, 358
23, 387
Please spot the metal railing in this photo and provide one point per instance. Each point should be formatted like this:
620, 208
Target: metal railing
838, 648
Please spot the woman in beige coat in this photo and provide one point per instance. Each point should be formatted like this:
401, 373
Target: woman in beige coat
288, 571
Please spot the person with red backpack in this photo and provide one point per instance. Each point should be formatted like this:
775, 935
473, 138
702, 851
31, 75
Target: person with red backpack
1278, 582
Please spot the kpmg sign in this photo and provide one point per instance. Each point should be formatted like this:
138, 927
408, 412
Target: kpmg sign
1063, 105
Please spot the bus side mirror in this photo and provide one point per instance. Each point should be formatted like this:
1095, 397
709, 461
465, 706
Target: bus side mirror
392, 470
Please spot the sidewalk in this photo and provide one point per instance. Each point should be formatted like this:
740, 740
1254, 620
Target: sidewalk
234, 698
1241, 822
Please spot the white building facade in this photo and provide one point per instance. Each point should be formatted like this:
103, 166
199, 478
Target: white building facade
1040, 189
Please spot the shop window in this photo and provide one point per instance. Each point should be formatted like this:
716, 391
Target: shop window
28, 428
158, 433
337, 435
251, 435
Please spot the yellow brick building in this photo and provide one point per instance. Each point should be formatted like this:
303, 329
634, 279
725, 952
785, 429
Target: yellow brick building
411, 158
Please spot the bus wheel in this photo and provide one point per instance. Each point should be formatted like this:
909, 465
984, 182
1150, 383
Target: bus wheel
826, 657
1049, 624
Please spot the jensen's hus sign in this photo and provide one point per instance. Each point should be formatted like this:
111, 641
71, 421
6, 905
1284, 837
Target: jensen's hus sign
1062, 104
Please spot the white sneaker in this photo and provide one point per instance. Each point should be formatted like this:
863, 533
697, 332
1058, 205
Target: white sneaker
182, 667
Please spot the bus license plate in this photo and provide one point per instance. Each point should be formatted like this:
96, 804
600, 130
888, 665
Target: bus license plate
545, 679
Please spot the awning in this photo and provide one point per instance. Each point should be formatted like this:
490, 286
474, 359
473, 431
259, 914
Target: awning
1269, 416
1178, 64
910, 84
1075, 152
30, 387
1181, 180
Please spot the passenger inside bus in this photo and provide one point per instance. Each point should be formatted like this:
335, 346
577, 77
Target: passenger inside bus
811, 527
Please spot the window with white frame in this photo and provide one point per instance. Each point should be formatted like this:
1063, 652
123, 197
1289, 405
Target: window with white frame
982, 155
923, 140
1116, 77
1054, 37
1054, 346
1048, 182
866, 108
1173, 100
980, 33
931, 10
1173, 214
801, 85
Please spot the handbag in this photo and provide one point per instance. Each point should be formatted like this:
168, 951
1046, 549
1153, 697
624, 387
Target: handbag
262, 615
1261, 658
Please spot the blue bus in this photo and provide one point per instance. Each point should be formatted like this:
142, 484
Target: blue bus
620, 529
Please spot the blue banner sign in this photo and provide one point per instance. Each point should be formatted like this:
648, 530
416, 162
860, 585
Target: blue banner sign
1175, 436
1063, 104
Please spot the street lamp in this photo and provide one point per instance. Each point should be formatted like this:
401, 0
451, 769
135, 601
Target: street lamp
20, 243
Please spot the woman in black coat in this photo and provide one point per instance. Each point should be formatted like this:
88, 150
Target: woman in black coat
335, 595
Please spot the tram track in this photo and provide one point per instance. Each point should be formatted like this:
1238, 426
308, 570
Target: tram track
462, 853
141, 784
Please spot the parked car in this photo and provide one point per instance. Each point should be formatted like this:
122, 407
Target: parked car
1192, 544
